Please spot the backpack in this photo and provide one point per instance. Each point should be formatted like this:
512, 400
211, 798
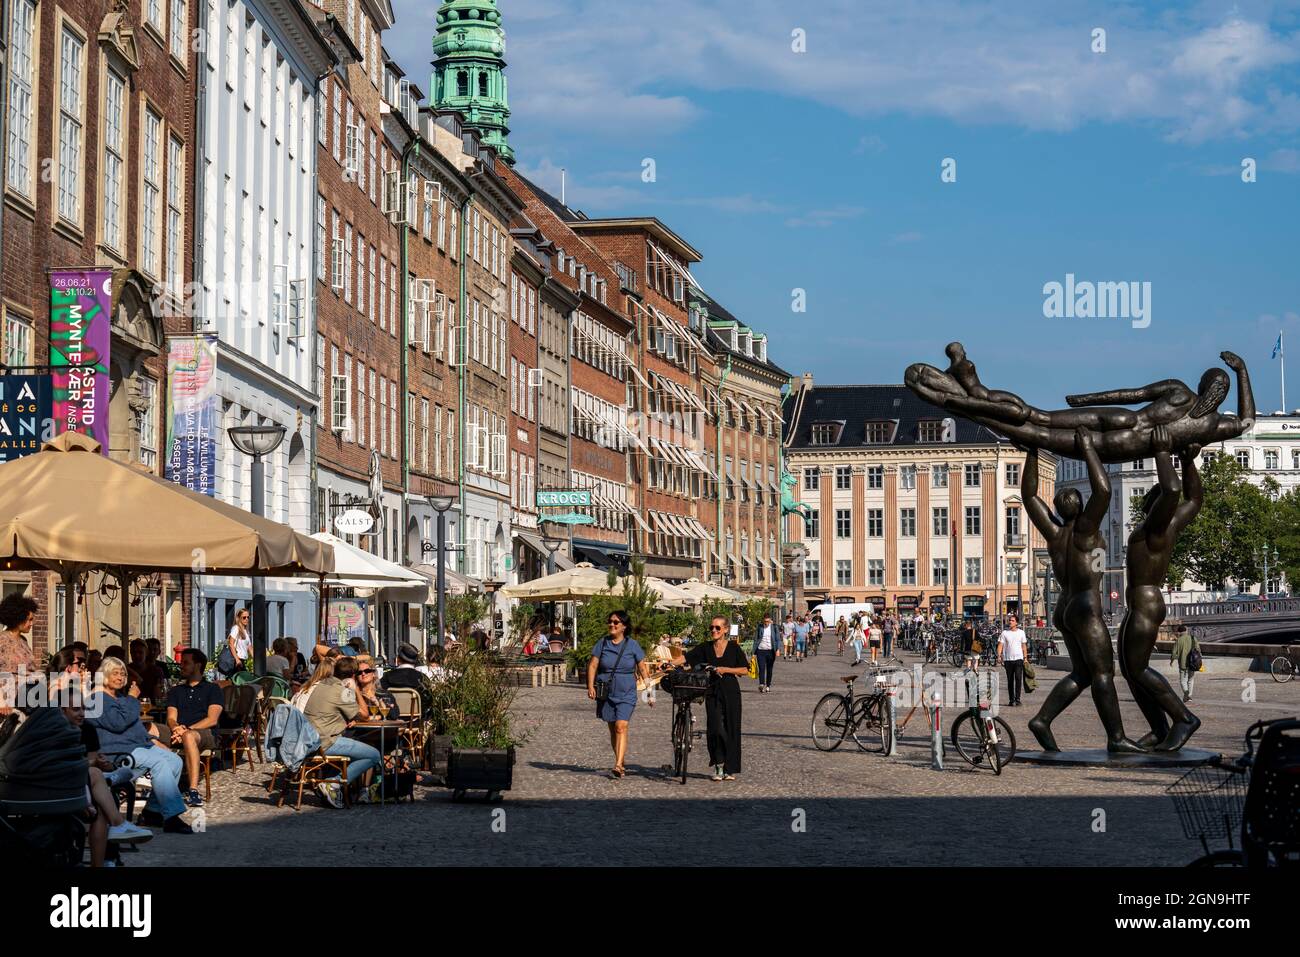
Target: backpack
1194, 660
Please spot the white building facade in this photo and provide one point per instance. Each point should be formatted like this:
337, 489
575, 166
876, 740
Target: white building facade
255, 191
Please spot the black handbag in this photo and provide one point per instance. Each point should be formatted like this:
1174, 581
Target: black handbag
226, 662
604, 687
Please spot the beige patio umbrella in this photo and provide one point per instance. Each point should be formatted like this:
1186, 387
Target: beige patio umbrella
702, 590
69, 507
671, 596
581, 581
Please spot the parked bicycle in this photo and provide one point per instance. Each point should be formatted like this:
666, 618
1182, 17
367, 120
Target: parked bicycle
1284, 666
1254, 797
686, 685
1040, 649
840, 716
979, 737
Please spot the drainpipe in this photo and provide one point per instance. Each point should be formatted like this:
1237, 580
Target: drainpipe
462, 348
722, 379
412, 149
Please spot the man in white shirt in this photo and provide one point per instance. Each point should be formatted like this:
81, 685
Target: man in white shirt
787, 634
765, 645
1011, 649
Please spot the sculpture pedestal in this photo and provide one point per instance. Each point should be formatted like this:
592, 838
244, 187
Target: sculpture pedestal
1101, 758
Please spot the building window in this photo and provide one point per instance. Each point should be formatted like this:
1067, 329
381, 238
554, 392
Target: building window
175, 213
843, 478
153, 14
812, 524
149, 422
1013, 474
1295, 458
907, 571
22, 72
940, 526
875, 476
939, 571
178, 29
875, 523
812, 572
843, 572
939, 476
907, 477
907, 522
1243, 458
1271, 458
972, 476
18, 342
71, 121
974, 572
973, 520
879, 433
1013, 521
151, 196
843, 523
875, 571
930, 430
824, 434
1139, 465
812, 480
114, 157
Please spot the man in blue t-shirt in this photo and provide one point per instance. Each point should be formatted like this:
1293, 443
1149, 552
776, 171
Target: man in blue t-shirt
801, 629
193, 709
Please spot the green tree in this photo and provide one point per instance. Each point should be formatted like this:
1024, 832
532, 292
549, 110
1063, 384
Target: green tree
1234, 522
464, 612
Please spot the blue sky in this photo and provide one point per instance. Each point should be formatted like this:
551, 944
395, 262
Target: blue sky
821, 170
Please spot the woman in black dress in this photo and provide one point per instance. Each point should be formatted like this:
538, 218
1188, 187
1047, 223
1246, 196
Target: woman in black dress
722, 706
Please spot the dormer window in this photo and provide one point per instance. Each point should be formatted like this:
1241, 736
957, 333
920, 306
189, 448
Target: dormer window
826, 433
760, 348
930, 430
879, 433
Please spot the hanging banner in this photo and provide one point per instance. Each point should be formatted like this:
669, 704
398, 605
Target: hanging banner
192, 407
345, 619
25, 407
81, 310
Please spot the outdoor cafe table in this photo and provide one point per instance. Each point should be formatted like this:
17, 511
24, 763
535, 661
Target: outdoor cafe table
382, 727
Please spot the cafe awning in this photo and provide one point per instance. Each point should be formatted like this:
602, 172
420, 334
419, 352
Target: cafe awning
68, 506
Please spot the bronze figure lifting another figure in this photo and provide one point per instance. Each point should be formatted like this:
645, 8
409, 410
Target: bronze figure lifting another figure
1175, 419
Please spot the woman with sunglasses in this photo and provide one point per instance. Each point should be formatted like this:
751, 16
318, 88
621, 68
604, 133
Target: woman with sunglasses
239, 641
372, 704
618, 660
722, 706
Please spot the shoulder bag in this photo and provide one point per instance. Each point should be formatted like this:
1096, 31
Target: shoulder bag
603, 687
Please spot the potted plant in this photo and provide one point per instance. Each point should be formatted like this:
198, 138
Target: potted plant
473, 706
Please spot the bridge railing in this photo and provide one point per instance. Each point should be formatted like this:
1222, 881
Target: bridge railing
1272, 606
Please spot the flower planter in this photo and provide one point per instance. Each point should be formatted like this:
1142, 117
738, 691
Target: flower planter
479, 769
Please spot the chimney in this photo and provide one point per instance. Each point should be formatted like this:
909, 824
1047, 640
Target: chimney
807, 381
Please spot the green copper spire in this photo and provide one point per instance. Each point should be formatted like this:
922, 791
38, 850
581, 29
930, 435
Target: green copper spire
469, 69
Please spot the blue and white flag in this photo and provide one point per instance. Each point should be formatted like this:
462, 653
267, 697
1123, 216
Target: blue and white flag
1277, 346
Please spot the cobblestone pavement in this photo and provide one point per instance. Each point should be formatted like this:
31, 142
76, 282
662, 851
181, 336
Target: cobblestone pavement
792, 805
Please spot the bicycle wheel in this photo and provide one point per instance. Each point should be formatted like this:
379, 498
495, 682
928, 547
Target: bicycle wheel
967, 739
956, 658
887, 729
1006, 743
830, 721
681, 743
867, 724
1283, 669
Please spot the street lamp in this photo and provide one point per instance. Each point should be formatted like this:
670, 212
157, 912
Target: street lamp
257, 441
1262, 557
553, 545
441, 503
1016, 565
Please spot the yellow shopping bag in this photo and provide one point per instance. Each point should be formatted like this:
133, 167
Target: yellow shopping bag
753, 667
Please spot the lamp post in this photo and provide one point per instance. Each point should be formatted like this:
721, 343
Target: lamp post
553, 545
1262, 557
258, 441
1016, 565
441, 503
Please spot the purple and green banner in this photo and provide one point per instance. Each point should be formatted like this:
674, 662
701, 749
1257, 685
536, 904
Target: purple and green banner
24, 410
192, 413
81, 313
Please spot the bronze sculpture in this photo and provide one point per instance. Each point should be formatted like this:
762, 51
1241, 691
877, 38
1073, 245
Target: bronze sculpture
1096, 428
1150, 548
1074, 543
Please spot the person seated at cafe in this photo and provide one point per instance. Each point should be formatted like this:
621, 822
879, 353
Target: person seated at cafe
407, 675
94, 658
373, 702
331, 707
354, 647
151, 676
299, 672
194, 710
116, 711
277, 662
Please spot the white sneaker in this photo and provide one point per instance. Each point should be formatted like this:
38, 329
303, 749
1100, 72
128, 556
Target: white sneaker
332, 793
128, 833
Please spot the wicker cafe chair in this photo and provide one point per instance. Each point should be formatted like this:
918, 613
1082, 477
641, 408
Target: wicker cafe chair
319, 768
235, 732
410, 712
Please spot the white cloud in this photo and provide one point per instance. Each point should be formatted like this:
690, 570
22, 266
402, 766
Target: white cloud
825, 218
1282, 161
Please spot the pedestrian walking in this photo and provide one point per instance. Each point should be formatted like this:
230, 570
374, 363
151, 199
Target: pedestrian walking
857, 638
766, 640
889, 629
722, 704
841, 635
1011, 650
787, 635
969, 639
239, 644
801, 632
875, 636
1187, 653
616, 662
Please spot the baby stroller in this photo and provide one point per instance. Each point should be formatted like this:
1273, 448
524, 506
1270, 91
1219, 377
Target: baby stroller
42, 790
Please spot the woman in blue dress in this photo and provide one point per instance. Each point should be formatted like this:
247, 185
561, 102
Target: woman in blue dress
618, 660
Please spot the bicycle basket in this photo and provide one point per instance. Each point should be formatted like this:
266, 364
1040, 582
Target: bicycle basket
1209, 799
687, 684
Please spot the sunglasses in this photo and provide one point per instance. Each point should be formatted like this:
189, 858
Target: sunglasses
614, 621
718, 627
366, 671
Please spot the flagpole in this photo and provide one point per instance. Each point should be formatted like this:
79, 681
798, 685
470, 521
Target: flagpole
1281, 354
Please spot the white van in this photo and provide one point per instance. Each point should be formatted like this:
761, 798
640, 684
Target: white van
832, 612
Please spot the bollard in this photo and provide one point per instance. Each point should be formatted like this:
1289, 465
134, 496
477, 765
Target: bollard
892, 749
936, 734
